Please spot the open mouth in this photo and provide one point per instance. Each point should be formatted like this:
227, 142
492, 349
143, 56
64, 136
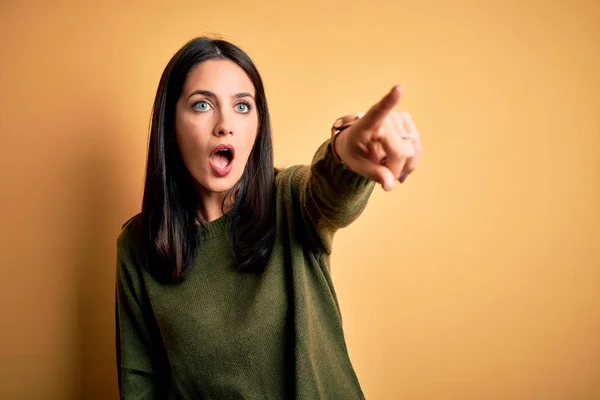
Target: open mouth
221, 159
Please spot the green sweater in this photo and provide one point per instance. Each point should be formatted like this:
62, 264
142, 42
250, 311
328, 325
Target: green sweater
220, 334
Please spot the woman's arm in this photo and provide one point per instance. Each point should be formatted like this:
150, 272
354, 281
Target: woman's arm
137, 374
329, 195
383, 146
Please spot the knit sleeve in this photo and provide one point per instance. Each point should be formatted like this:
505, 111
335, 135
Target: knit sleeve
329, 194
135, 364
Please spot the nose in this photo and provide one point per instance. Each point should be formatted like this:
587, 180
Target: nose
224, 125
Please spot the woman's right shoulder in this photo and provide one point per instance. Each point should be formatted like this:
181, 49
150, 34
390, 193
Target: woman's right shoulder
128, 238
129, 254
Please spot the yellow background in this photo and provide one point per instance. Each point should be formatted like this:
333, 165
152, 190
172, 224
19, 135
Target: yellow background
479, 278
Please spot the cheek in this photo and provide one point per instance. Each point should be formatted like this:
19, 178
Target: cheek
251, 134
248, 143
182, 134
185, 143
191, 138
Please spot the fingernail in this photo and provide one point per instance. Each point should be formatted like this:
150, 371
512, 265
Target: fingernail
403, 178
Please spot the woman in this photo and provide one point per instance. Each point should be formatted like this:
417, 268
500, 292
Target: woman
223, 280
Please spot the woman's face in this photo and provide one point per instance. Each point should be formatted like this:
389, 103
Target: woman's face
216, 124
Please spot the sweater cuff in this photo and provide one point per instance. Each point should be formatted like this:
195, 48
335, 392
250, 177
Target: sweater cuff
341, 178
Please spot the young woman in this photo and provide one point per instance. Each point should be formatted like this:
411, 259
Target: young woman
223, 280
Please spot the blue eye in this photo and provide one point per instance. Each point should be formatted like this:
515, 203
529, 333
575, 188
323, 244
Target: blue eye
201, 105
243, 107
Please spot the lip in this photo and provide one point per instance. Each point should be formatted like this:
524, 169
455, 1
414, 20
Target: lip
222, 147
222, 171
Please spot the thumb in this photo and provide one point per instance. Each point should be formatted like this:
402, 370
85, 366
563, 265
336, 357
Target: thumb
380, 110
381, 174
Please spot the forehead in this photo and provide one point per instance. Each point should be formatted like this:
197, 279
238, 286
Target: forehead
219, 76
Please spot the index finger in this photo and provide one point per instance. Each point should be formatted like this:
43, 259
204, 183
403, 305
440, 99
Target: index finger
380, 110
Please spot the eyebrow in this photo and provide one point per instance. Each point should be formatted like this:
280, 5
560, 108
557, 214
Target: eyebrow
208, 93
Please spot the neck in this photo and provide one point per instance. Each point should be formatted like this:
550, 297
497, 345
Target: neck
211, 207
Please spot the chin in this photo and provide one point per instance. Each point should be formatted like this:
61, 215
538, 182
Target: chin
221, 185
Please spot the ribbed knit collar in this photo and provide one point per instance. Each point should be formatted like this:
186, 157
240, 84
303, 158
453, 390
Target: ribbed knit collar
215, 228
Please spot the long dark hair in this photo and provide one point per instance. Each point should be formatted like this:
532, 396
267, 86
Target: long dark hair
168, 223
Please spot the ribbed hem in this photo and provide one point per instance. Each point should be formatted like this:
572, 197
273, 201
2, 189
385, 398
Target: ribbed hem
341, 180
213, 229
341, 174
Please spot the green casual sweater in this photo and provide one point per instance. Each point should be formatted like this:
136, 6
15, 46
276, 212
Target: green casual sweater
221, 334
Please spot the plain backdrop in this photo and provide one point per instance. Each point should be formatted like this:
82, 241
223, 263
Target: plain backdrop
479, 278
